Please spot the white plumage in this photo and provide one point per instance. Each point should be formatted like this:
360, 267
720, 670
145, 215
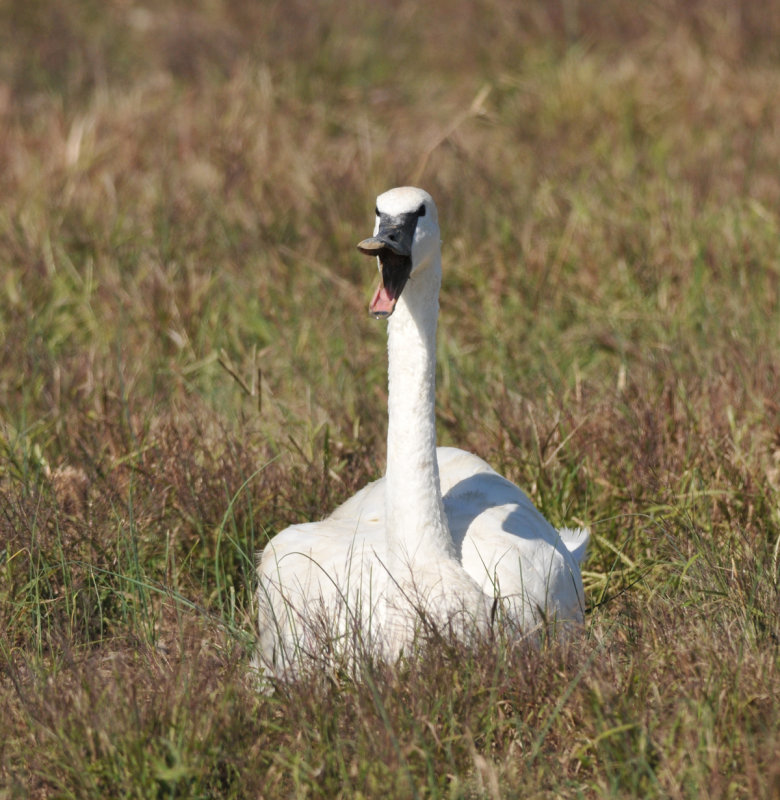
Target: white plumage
442, 539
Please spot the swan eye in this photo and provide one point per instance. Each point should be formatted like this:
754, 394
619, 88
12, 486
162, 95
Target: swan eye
421, 211
376, 211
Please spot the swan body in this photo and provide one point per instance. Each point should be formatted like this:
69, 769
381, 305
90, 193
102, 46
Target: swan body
442, 539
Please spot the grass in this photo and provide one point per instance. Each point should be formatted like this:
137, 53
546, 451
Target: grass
187, 366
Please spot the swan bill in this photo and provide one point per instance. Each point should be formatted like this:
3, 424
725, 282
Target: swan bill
392, 245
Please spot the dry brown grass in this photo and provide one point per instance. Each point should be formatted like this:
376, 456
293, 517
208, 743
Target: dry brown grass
186, 366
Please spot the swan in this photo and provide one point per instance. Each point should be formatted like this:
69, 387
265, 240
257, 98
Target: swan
442, 539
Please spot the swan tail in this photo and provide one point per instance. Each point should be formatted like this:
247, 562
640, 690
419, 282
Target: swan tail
576, 541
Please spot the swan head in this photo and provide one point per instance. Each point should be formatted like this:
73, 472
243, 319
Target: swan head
405, 241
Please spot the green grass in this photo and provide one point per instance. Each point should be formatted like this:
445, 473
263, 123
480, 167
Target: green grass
187, 366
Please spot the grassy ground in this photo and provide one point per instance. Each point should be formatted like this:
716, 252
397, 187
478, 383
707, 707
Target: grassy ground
187, 365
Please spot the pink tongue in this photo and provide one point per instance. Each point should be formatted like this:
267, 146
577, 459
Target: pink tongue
382, 305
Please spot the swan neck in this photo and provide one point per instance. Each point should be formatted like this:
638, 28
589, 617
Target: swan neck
417, 525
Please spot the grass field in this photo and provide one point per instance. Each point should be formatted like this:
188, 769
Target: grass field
187, 366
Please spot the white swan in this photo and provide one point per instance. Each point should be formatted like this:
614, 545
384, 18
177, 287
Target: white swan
442, 538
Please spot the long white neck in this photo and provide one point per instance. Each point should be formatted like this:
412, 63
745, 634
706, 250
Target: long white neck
416, 524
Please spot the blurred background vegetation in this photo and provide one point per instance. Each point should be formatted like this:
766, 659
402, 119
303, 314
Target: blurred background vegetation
187, 366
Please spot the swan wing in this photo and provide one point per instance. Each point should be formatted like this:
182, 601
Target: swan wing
317, 582
506, 544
